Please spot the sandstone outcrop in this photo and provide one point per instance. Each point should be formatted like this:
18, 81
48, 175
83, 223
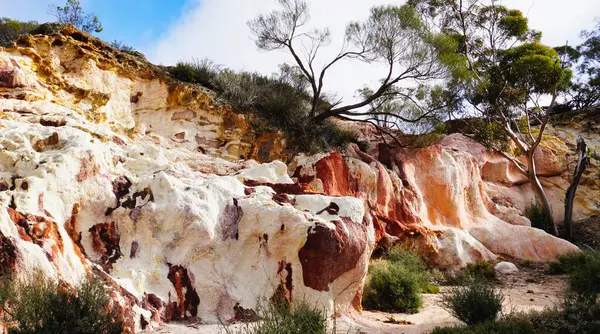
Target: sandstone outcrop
111, 167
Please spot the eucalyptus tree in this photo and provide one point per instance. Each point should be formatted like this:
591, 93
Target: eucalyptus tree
504, 74
394, 36
73, 13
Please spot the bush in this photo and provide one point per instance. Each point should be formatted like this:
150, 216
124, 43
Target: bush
396, 282
278, 318
576, 315
495, 327
122, 47
479, 271
583, 269
202, 72
474, 303
41, 305
538, 217
280, 103
10, 30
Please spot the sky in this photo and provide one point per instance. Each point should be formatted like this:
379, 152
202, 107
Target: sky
171, 30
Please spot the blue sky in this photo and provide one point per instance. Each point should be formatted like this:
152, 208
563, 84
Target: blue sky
139, 23
167, 31
136, 23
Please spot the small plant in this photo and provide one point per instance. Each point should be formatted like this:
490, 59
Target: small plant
122, 46
478, 271
583, 269
474, 303
538, 217
279, 318
41, 305
396, 281
495, 327
202, 72
10, 30
392, 287
527, 263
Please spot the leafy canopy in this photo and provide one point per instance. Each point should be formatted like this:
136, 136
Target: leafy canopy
10, 30
73, 13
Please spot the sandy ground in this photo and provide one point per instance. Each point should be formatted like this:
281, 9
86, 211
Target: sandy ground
530, 289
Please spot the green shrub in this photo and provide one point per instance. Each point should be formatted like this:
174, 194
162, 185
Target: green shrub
392, 287
278, 318
474, 303
396, 281
202, 72
583, 269
527, 264
537, 215
576, 315
490, 327
478, 271
40, 305
279, 103
119, 45
10, 30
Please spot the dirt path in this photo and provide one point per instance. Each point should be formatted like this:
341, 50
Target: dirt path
530, 289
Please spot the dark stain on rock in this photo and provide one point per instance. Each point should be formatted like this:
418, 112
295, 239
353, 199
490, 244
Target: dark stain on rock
131, 201
119, 141
281, 199
53, 123
244, 315
8, 255
281, 188
38, 230
331, 209
187, 297
230, 219
88, 168
136, 98
329, 253
134, 249
105, 241
47, 143
286, 286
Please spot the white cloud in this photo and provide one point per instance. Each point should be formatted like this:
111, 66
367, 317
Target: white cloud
216, 29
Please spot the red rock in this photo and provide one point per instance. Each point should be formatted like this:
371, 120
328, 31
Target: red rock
327, 253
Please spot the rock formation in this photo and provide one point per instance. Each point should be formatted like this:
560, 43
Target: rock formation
111, 167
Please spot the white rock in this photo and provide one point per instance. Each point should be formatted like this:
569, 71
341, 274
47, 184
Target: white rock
506, 268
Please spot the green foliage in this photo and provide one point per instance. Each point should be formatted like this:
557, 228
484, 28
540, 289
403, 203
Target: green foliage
537, 215
392, 288
490, 134
72, 13
482, 271
583, 269
395, 282
488, 327
527, 264
279, 318
10, 30
575, 315
279, 102
122, 47
534, 67
39, 305
474, 303
202, 72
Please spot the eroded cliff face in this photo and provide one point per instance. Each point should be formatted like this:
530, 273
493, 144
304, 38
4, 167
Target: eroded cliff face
110, 167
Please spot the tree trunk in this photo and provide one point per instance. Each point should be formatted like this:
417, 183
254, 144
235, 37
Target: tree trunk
582, 161
540, 193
